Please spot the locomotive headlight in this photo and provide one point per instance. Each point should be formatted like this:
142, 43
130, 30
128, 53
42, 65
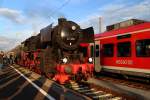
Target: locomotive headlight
62, 34
65, 60
148, 46
73, 27
90, 60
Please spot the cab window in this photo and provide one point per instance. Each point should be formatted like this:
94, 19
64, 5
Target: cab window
92, 51
143, 48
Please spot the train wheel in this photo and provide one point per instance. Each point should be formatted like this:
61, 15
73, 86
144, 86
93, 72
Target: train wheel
49, 75
37, 70
78, 77
86, 76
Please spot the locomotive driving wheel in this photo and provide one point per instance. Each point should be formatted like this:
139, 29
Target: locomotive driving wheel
49, 75
86, 76
79, 75
49, 72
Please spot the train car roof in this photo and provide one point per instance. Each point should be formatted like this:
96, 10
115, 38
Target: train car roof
126, 30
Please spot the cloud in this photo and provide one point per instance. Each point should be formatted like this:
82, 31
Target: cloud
47, 13
43, 12
38, 15
31, 19
7, 43
117, 12
13, 15
41, 17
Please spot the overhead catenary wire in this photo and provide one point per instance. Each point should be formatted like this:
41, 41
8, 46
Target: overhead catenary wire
56, 10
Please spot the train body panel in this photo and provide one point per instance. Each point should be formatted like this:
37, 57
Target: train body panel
126, 50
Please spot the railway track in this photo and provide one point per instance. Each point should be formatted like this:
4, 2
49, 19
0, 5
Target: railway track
130, 83
89, 91
94, 92
83, 89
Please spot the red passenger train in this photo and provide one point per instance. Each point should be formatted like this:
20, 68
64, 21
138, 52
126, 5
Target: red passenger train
124, 48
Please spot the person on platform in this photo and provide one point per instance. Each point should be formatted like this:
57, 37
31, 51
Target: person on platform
1, 61
5, 60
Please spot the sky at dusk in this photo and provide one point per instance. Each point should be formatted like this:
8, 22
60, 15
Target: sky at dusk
20, 19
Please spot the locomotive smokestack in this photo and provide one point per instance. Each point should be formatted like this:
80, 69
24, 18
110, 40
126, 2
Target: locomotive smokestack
61, 20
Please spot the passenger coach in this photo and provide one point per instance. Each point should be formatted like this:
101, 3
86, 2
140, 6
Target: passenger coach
124, 48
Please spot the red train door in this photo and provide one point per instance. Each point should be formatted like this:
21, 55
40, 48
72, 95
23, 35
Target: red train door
97, 56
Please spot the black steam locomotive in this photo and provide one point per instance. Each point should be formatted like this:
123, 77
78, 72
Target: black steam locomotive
59, 52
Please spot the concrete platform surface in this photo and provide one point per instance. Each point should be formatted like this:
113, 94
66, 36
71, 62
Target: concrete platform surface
133, 92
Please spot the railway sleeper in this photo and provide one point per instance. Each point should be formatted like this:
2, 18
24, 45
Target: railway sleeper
115, 98
94, 92
104, 96
79, 88
86, 90
76, 86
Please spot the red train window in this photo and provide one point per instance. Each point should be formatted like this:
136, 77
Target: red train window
84, 51
124, 49
143, 48
92, 51
108, 50
97, 50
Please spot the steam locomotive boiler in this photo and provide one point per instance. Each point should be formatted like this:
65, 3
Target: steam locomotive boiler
59, 52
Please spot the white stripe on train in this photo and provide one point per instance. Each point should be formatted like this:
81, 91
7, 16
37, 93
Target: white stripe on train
125, 68
122, 34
